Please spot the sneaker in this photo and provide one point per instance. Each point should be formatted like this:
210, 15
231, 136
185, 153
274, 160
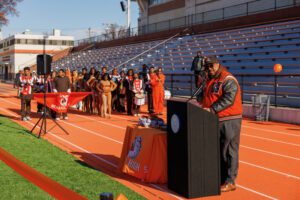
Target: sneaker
135, 115
66, 118
24, 119
28, 118
57, 118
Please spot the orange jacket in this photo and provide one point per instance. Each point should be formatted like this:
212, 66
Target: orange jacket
154, 80
223, 95
162, 78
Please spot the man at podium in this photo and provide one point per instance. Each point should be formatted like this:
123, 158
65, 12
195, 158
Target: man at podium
222, 96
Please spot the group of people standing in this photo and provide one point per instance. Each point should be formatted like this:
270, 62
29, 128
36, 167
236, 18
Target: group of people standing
119, 91
29, 83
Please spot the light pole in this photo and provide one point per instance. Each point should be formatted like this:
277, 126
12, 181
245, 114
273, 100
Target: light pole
128, 15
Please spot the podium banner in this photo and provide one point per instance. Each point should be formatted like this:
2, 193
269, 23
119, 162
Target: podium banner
61, 101
144, 154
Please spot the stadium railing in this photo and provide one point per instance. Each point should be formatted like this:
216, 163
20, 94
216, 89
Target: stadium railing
284, 89
244, 9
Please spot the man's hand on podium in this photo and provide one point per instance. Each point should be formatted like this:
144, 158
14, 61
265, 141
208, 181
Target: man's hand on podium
207, 109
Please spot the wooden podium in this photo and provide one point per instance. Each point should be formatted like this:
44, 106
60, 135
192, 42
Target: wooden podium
193, 149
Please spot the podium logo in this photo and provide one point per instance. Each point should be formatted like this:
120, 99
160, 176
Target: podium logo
175, 123
135, 147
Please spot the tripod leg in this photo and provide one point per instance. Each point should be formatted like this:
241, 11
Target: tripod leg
36, 124
45, 123
41, 127
60, 126
50, 129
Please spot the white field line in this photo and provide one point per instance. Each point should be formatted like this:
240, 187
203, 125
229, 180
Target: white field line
272, 140
267, 130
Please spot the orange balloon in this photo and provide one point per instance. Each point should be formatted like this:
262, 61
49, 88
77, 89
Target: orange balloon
277, 68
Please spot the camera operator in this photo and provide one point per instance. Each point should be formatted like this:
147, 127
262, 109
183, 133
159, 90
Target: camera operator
198, 66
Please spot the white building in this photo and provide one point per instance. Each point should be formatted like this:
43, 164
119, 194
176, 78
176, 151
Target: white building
20, 50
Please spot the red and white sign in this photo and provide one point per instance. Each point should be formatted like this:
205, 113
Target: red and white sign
60, 102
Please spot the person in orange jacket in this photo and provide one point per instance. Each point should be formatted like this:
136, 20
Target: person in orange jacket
222, 96
158, 92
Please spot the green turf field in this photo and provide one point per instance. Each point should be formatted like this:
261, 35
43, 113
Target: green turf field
52, 162
14, 186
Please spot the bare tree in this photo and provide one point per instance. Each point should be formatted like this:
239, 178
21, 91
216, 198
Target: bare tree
7, 7
122, 32
114, 31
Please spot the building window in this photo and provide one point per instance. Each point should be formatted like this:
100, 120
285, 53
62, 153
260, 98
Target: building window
22, 41
40, 42
54, 42
34, 42
70, 43
12, 42
29, 41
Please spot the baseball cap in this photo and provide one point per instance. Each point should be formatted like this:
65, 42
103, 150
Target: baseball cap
212, 59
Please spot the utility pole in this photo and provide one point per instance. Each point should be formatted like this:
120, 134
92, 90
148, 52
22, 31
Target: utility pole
128, 15
89, 33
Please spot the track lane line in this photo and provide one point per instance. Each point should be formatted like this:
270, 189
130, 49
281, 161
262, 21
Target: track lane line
256, 192
105, 123
270, 170
267, 130
272, 140
93, 132
269, 152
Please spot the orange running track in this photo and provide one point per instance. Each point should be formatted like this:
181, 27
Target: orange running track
269, 152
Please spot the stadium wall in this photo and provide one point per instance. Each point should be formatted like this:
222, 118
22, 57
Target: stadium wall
246, 21
278, 114
171, 9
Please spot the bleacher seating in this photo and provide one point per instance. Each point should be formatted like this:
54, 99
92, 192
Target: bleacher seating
252, 50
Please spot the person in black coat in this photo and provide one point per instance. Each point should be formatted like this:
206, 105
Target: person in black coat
121, 92
198, 66
129, 91
146, 79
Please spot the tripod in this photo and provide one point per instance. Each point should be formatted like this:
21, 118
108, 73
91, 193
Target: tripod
43, 118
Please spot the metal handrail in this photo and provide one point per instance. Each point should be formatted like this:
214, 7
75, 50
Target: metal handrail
188, 21
188, 85
151, 48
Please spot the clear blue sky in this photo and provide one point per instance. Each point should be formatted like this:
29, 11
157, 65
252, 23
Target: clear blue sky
73, 17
